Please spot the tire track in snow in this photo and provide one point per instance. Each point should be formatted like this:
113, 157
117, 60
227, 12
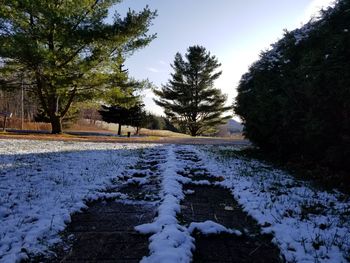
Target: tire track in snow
170, 241
105, 230
188, 230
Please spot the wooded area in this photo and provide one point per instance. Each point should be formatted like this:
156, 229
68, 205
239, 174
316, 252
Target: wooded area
65, 51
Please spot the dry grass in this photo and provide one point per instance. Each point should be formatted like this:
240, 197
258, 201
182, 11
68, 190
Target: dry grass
162, 133
37, 126
145, 139
145, 132
236, 136
15, 123
87, 126
146, 135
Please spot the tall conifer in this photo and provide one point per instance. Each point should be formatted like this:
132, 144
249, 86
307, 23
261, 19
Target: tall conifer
190, 98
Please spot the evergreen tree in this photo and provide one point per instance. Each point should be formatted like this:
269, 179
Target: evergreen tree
190, 98
67, 47
123, 90
294, 101
133, 116
126, 107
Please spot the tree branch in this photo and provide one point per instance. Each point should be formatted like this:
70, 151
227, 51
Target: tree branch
70, 100
72, 56
41, 96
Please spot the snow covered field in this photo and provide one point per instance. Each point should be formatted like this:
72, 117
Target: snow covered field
43, 182
309, 225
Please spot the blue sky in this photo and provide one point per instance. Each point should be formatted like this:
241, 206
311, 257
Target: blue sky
235, 31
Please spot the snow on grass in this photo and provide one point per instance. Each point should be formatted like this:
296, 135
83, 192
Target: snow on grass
43, 182
308, 225
170, 241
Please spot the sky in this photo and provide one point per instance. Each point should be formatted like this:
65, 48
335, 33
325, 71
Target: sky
235, 31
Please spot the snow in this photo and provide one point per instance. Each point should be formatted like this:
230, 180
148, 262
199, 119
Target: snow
170, 241
201, 182
189, 192
210, 227
43, 182
309, 225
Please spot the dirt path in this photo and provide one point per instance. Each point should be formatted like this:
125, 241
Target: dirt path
105, 232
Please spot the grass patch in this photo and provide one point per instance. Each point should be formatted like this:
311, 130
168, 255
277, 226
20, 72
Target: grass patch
321, 177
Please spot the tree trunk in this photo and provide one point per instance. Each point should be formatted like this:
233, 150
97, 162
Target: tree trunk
56, 125
120, 129
193, 133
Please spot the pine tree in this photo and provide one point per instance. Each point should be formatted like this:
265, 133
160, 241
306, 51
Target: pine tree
67, 47
123, 90
123, 104
190, 98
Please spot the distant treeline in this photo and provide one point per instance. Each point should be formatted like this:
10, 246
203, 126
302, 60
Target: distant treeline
295, 101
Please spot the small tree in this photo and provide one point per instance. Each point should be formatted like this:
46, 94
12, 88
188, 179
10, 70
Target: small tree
66, 47
138, 117
190, 98
126, 107
133, 116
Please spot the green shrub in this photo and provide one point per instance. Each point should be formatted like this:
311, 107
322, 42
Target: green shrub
295, 101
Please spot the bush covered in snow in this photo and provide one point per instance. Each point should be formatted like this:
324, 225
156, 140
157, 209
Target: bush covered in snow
294, 101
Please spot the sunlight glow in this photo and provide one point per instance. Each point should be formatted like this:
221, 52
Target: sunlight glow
314, 8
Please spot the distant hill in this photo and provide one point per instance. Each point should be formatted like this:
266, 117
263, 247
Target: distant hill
231, 127
234, 126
